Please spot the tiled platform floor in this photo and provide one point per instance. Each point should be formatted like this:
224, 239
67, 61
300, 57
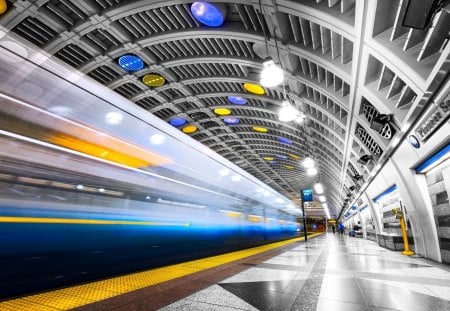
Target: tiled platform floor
330, 272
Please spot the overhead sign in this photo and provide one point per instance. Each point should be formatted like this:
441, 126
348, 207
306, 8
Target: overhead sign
307, 195
433, 120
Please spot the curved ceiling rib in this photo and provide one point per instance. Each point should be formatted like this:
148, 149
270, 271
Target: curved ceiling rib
345, 63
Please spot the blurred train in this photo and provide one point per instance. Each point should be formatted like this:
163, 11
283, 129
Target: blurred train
85, 196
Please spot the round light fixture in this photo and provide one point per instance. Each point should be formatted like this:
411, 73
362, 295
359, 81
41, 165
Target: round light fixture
269, 158
101, 190
318, 188
222, 111
308, 162
130, 62
178, 121
113, 118
294, 156
254, 88
259, 129
322, 198
237, 100
212, 15
271, 75
190, 129
284, 140
230, 121
80, 187
153, 80
287, 112
281, 157
311, 171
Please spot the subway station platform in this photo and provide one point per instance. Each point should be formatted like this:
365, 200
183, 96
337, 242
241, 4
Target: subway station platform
329, 272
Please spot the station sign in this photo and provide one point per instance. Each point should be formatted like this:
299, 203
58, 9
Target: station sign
433, 120
307, 195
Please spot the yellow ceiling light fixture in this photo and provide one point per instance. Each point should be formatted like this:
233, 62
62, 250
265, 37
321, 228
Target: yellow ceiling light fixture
222, 111
269, 158
260, 129
289, 167
254, 88
190, 129
3, 6
294, 156
153, 80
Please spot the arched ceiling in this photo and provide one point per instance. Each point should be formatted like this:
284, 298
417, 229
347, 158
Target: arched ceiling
345, 63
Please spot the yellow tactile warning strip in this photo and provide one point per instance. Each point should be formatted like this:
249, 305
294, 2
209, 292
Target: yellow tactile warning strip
80, 295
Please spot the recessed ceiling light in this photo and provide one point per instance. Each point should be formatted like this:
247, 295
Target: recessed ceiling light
231, 121
178, 121
153, 80
237, 100
284, 140
212, 15
254, 88
80, 187
130, 62
190, 129
260, 129
222, 111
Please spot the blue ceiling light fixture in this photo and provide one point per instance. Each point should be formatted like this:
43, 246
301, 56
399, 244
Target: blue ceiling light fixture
237, 100
284, 140
178, 121
281, 157
272, 162
212, 15
230, 121
130, 62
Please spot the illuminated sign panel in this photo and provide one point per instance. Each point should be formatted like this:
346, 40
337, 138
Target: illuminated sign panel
307, 195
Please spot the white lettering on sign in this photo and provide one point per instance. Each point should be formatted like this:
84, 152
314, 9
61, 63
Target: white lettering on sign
434, 120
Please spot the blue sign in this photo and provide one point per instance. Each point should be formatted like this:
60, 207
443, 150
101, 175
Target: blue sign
307, 195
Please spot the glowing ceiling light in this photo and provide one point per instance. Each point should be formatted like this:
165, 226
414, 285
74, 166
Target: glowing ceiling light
157, 139
178, 121
237, 100
153, 80
322, 198
113, 118
271, 75
222, 111
287, 112
212, 15
284, 140
254, 88
80, 187
130, 62
101, 190
189, 129
311, 171
318, 188
308, 162
229, 121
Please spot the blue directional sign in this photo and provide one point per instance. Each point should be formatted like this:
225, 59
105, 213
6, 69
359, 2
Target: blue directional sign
307, 195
